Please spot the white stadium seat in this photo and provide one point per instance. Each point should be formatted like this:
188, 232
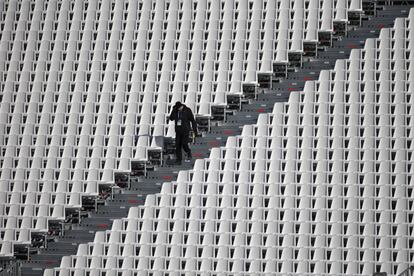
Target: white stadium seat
320, 186
74, 73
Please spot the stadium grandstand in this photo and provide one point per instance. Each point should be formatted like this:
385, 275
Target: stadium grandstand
304, 160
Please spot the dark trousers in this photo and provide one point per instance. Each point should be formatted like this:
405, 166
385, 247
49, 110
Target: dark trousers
181, 142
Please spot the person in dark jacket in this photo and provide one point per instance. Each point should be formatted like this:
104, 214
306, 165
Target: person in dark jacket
183, 117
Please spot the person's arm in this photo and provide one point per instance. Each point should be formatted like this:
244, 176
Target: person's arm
173, 115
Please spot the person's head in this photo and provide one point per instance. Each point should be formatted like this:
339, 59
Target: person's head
179, 106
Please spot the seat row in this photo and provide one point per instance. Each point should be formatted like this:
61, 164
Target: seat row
321, 186
86, 86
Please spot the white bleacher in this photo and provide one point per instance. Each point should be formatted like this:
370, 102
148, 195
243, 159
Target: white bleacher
321, 186
86, 86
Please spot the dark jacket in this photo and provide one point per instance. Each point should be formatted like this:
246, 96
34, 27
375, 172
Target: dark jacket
186, 116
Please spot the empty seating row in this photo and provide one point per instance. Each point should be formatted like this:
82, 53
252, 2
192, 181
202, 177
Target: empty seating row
86, 86
321, 186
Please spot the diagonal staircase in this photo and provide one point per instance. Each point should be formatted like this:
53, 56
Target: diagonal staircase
408, 272
118, 204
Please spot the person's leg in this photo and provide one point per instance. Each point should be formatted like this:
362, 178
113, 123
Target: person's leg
178, 146
186, 148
